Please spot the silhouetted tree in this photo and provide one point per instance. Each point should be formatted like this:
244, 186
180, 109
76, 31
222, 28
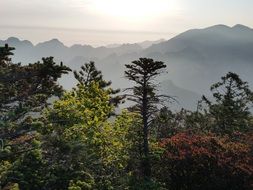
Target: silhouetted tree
5, 52
143, 73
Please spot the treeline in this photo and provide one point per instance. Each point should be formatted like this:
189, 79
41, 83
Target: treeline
80, 142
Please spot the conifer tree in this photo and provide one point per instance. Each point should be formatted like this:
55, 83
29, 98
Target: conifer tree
24, 90
24, 87
89, 73
231, 106
143, 73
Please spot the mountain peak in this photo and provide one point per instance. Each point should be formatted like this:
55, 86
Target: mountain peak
219, 27
241, 27
53, 42
13, 39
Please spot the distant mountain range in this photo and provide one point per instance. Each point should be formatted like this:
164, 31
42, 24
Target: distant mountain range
195, 59
144, 44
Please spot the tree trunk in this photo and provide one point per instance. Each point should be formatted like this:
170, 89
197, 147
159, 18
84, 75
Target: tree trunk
145, 162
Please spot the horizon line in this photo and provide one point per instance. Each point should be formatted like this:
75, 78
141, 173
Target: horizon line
83, 29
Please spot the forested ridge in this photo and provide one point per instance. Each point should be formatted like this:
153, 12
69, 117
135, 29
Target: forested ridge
80, 141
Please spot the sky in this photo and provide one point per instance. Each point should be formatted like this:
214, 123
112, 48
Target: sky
103, 22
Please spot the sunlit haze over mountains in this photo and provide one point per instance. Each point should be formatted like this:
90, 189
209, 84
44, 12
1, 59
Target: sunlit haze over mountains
103, 22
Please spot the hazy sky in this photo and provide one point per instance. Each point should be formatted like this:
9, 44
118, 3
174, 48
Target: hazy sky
100, 22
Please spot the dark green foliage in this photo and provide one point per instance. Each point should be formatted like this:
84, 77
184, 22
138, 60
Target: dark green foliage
67, 165
167, 123
25, 90
28, 171
140, 184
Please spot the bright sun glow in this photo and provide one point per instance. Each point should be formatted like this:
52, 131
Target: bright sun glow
134, 9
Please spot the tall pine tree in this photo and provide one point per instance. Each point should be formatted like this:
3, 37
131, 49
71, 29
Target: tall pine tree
143, 72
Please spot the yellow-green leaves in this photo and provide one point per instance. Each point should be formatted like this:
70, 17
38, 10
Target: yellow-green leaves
81, 117
85, 105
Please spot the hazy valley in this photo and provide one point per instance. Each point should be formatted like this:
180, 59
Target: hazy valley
195, 59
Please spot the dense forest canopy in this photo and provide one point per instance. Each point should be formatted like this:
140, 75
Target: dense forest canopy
80, 142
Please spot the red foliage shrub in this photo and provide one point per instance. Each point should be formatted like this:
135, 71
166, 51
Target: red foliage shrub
205, 161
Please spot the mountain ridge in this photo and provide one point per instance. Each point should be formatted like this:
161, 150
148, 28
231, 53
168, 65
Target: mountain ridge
195, 59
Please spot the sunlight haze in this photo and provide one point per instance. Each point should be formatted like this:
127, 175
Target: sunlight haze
102, 22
